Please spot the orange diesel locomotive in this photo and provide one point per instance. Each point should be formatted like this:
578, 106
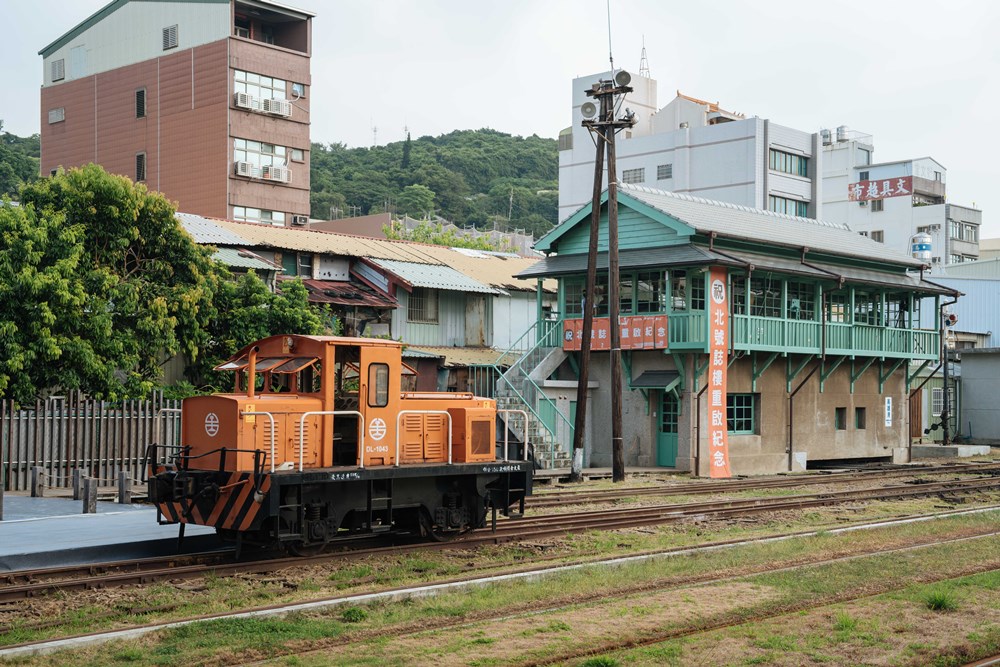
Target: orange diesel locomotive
318, 440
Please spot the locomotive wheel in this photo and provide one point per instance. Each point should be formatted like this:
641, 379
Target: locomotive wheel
428, 529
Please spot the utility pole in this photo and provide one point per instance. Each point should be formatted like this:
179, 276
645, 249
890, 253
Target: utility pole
579, 427
605, 128
510, 206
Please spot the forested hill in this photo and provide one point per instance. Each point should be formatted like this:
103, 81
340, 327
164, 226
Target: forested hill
18, 161
469, 177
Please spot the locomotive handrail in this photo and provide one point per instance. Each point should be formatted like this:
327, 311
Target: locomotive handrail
271, 417
422, 412
506, 431
156, 418
439, 396
302, 430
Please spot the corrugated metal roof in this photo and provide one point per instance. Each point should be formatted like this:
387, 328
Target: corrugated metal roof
208, 231
346, 293
465, 356
984, 268
742, 222
242, 259
678, 255
494, 269
433, 275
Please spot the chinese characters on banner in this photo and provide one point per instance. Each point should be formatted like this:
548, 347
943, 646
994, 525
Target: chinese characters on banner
880, 189
639, 332
718, 364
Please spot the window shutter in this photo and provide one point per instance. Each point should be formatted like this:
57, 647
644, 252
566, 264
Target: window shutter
58, 69
140, 103
169, 37
140, 167
57, 115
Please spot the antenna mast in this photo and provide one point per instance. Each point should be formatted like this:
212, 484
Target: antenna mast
643, 62
611, 55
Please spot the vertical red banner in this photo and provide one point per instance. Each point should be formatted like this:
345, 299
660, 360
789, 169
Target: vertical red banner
660, 333
718, 364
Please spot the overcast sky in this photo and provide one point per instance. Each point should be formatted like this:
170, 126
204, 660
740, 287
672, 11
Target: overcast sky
922, 77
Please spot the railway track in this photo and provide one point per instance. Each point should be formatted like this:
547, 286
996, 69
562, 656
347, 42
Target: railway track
45, 582
569, 497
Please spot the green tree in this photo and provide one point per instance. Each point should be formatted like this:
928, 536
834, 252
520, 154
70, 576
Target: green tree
416, 201
104, 289
251, 312
18, 161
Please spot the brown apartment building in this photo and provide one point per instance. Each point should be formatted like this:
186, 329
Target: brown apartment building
206, 101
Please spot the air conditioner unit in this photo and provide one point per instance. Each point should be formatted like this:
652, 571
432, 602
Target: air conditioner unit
274, 173
243, 100
299, 220
277, 107
245, 169
862, 203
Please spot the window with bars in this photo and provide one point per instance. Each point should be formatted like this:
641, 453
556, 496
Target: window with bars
789, 163
937, 401
305, 264
140, 167
58, 69
170, 37
664, 171
740, 414
738, 295
634, 175
422, 306
140, 103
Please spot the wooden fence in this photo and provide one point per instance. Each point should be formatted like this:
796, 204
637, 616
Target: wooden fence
64, 433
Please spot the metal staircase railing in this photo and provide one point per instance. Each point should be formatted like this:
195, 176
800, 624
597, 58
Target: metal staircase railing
515, 389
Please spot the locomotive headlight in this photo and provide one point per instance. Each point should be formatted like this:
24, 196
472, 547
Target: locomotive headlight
258, 497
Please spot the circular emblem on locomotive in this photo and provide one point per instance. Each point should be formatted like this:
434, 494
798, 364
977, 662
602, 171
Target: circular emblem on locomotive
211, 424
376, 429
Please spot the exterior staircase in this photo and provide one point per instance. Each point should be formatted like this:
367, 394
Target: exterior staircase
517, 388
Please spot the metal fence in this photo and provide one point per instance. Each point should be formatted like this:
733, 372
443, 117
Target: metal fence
65, 433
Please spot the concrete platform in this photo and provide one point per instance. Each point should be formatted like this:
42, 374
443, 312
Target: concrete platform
940, 451
47, 532
552, 475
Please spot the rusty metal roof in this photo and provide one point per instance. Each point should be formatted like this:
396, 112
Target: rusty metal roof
344, 293
208, 231
463, 356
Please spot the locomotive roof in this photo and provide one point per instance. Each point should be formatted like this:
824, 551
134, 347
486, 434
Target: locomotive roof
274, 341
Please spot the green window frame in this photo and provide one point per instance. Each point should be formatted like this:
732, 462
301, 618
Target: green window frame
789, 163
840, 419
860, 419
868, 308
650, 292
738, 294
896, 307
800, 302
765, 297
788, 206
741, 414
838, 308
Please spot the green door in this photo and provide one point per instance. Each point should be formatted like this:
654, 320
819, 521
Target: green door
666, 437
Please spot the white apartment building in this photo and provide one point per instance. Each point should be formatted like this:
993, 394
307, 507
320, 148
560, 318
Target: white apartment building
892, 201
695, 147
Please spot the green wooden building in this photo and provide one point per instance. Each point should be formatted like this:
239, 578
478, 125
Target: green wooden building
823, 336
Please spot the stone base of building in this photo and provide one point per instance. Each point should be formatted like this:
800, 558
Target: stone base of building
939, 451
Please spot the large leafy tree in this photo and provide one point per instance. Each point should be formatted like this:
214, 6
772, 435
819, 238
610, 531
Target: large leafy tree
99, 284
18, 161
252, 312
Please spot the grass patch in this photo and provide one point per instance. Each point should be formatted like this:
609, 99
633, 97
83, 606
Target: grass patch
940, 601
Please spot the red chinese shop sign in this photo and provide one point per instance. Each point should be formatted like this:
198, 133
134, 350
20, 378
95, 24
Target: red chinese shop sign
718, 364
639, 332
880, 189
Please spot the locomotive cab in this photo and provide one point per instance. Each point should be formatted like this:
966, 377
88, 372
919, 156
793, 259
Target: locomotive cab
318, 440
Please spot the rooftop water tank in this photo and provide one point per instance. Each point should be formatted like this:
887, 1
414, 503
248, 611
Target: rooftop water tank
842, 133
920, 247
